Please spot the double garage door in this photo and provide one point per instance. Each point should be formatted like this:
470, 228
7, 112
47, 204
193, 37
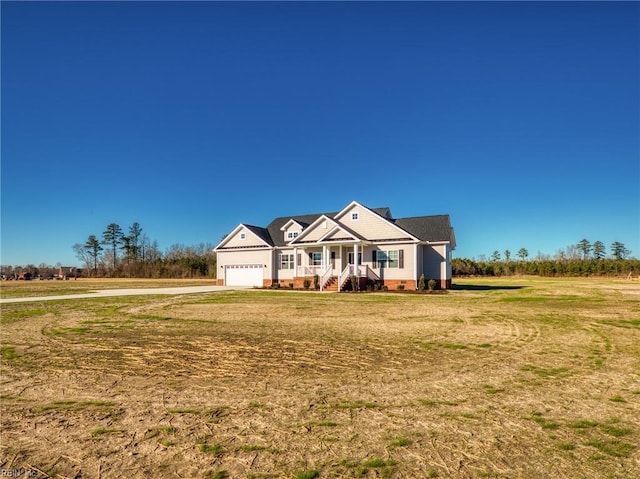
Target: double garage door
243, 275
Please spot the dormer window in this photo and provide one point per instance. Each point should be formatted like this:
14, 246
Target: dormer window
355, 216
292, 234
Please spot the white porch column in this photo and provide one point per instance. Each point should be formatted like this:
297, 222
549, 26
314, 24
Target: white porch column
295, 262
355, 258
325, 263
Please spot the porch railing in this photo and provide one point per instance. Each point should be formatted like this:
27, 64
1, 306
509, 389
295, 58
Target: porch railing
345, 275
309, 270
370, 274
326, 276
363, 272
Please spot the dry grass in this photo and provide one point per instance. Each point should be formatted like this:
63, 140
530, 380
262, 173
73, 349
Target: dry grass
16, 289
512, 378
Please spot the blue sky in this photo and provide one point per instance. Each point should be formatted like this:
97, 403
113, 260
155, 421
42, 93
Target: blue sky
520, 120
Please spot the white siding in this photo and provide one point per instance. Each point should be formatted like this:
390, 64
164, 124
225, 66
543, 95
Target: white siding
250, 239
434, 261
370, 225
319, 230
284, 273
339, 234
406, 272
294, 228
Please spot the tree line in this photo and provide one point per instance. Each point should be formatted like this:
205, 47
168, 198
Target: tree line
582, 259
116, 254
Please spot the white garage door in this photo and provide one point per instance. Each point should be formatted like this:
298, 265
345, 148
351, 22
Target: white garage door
243, 275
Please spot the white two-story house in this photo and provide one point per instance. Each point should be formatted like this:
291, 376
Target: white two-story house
356, 241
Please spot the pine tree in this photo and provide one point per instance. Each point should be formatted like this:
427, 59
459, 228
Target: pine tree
599, 250
113, 237
92, 246
585, 247
619, 251
523, 253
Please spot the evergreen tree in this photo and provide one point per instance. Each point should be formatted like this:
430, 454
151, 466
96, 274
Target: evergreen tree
599, 250
92, 246
112, 236
619, 251
523, 253
584, 247
135, 231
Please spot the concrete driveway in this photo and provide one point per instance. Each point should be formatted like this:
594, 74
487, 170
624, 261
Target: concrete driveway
105, 293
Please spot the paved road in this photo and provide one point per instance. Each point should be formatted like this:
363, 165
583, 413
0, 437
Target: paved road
105, 293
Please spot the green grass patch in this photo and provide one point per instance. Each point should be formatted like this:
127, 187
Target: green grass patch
307, 474
490, 389
583, 424
102, 430
74, 405
617, 398
215, 449
10, 316
617, 431
8, 353
183, 411
433, 402
377, 463
399, 442
612, 447
545, 372
211, 474
623, 323
544, 423
322, 423
566, 446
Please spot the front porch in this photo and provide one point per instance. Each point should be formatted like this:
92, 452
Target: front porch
327, 281
334, 265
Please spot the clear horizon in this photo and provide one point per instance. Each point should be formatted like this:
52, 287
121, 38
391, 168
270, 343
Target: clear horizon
518, 119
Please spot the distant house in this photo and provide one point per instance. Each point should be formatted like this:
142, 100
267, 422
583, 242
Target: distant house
356, 241
25, 276
66, 272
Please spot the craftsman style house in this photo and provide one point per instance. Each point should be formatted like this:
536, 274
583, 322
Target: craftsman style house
356, 241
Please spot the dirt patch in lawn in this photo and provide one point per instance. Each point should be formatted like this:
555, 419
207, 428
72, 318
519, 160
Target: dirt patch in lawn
539, 381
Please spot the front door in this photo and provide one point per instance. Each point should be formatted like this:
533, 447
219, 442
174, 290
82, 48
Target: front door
350, 257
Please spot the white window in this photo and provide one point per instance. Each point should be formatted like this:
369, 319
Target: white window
389, 259
292, 234
286, 261
393, 259
382, 259
316, 259
355, 216
243, 236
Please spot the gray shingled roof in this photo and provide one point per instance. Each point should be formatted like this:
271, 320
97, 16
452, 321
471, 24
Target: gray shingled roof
428, 228
425, 228
261, 233
277, 238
